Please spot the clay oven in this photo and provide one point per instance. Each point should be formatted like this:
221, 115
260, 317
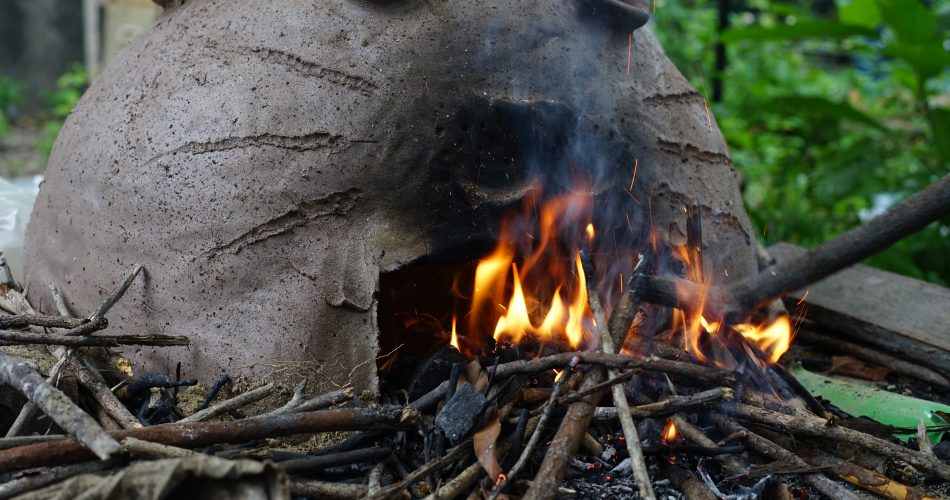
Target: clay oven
267, 162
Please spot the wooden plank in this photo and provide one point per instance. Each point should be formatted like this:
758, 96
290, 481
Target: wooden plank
908, 317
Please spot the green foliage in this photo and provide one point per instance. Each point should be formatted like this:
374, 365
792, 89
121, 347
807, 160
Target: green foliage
69, 88
831, 116
9, 96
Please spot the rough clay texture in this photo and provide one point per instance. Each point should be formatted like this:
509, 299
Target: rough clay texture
265, 161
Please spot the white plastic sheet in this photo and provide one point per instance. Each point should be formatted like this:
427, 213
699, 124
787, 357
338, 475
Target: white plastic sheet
16, 204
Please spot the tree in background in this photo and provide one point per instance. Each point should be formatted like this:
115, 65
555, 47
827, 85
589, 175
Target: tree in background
833, 110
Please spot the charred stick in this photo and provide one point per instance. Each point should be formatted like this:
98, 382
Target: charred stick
13, 442
454, 455
12, 338
538, 431
330, 491
866, 479
729, 463
632, 438
876, 357
27, 411
310, 464
41, 320
848, 248
139, 447
317, 403
87, 328
687, 483
375, 479
199, 434
687, 449
19, 375
672, 404
807, 425
460, 484
116, 294
625, 311
32, 480
234, 403
219, 384
630, 361
776, 452
577, 396
568, 438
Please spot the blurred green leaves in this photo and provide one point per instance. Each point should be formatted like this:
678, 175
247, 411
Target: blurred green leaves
10, 95
831, 114
797, 31
69, 88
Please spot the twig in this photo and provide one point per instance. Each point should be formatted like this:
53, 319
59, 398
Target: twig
139, 447
729, 463
215, 389
538, 432
325, 490
454, 455
813, 426
631, 437
866, 479
629, 361
325, 400
686, 482
11, 338
234, 403
27, 411
672, 404
846, 249
22, 320
776, 452
308, 464
34, 480
116, 294
18, 374
375, 479
459, 484
199, 434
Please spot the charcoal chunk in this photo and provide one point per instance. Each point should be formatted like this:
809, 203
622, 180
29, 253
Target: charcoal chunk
460, 414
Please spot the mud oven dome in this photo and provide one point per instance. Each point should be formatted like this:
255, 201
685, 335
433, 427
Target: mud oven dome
269, 162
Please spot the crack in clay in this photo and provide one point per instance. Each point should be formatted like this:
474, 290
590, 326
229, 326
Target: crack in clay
335, 204
305, 142
679, 97
311, 68
680, 149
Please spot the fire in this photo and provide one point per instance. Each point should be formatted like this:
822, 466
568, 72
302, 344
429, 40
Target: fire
773, 339
548, 292
670, 433
454, 340
558, 374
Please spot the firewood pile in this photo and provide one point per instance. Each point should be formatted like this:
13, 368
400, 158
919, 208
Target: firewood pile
654, 421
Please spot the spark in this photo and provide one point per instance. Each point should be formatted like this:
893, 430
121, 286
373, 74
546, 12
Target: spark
708, 119
802, 300
654, 6
636, 163
629, 50
621, 283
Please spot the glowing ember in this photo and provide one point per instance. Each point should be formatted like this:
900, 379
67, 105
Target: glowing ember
558, 374
670, 433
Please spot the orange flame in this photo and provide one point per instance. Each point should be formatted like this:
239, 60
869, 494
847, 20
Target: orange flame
670, 432
558, 374
548, 293
454, 341
774, 339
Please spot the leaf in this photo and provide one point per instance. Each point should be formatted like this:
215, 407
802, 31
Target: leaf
820, 107
911, 20
484, 443
941, 131
927, 59
885, 407
797, 31
860, 13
